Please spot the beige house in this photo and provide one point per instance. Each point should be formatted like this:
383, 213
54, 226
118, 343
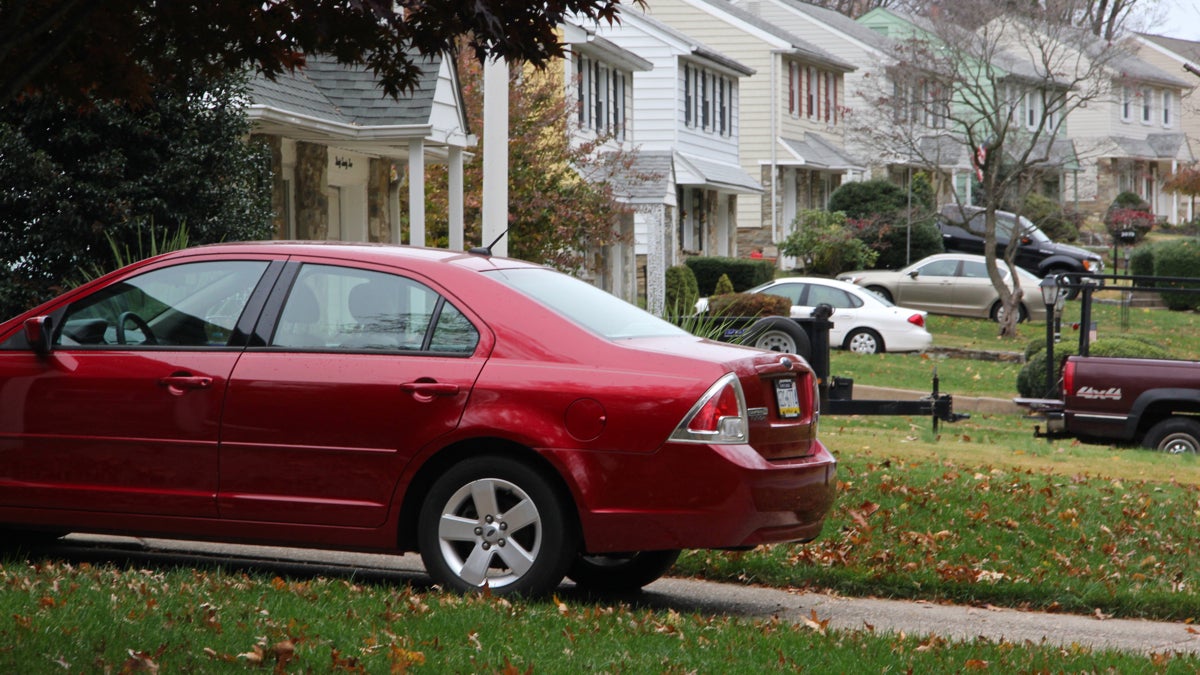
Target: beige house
342, 150
1181, 57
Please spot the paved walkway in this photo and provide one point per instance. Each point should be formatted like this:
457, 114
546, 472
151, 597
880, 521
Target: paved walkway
913, 618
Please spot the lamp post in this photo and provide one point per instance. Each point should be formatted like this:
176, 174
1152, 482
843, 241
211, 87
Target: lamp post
1050, 294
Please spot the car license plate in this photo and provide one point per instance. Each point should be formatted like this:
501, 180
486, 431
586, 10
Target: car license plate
787, 398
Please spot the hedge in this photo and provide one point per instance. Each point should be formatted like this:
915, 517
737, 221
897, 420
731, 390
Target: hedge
745, 274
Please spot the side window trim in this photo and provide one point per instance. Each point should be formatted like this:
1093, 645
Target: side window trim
243, 331
264, 328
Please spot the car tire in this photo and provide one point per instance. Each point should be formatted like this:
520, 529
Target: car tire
1175, 436
496, 523
779, 334
616, 572
997, 312
863, 341
882, 292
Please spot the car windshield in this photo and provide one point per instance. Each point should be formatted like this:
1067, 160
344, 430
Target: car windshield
585, 305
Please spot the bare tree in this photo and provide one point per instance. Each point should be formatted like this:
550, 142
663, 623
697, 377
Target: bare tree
989, 89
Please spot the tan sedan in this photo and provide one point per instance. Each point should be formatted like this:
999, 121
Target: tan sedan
951, 283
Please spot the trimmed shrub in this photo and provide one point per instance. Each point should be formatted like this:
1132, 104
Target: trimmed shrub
1031, 380
1128, 213
681, 292
724, 285
1177, 259
1141, 259
743, 273
869, 198
749, 304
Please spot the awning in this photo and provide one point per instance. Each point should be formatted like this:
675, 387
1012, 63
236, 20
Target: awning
693, 170
1153, 148
817, 153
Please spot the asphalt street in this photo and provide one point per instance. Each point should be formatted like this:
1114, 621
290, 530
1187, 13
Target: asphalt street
688, 596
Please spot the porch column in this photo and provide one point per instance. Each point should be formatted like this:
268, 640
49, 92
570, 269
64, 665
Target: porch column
416, 192
495, 155
455, 187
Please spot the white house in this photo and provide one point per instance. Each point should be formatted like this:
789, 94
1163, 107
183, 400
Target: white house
687, 116
600, 77
791, 113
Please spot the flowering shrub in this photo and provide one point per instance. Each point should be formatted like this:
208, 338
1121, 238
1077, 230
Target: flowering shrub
1128, 213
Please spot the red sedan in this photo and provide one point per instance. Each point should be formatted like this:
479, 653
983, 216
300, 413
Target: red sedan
512, 424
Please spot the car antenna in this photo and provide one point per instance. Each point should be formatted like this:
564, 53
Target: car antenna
487, 250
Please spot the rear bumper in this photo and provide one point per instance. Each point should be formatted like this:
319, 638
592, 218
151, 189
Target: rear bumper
699, 496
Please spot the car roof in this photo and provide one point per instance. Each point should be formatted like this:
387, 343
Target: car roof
817, 280
379, 253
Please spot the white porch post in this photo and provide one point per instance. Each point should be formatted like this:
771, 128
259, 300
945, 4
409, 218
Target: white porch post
455, 186
495, 155
416, 192
394, 209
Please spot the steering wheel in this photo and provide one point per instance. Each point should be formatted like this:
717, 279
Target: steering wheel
139, 323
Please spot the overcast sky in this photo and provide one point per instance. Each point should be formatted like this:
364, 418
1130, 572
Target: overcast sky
1181, 19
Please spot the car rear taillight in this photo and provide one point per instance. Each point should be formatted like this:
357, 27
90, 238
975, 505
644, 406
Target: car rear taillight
1068, 374
718, 417
917, 320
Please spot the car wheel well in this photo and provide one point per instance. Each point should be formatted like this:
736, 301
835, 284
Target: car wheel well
423, 479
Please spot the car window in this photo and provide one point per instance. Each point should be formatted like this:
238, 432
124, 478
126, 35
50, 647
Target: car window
834, 297
189, 305
977, 269
939, 268
793, 292
585, 305
342, 308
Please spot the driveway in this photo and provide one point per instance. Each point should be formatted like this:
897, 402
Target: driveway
688, 596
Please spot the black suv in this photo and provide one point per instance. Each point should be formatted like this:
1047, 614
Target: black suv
1035, 251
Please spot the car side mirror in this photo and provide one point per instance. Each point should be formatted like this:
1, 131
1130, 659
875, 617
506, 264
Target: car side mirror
1025, 241
914, 274
39, 331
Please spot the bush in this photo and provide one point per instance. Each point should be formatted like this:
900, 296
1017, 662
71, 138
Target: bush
1128, 213
743, 273
1177, 259
1141, 260
749, 304
724, 285
880, 212
681, 292
826, 244
1031, 380
869, 198
1050, 217
895, 245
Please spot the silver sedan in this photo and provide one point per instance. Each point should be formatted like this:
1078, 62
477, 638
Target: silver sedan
951, 283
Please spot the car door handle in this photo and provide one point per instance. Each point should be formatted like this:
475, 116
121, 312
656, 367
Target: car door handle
430, 388
177, 384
